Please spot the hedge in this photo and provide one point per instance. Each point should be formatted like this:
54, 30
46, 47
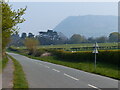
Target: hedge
106, 56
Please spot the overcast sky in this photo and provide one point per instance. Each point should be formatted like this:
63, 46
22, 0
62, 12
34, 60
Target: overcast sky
41, 16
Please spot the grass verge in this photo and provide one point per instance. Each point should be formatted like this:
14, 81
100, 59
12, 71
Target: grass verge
19, 76
4, 61
0, 66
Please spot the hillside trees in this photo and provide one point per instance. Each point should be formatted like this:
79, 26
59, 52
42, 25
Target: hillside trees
102, 39
23, 36
77, 38
114, 37
10, 19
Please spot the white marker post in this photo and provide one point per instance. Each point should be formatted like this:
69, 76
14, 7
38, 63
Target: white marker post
95, 51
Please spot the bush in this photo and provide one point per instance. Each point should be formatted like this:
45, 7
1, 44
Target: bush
31, 44
39, 52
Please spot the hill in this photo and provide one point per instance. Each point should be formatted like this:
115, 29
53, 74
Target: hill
88, 25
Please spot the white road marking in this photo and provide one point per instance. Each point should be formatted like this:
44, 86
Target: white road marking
56, 70
46, 66
71, 76
40, 64
93, 86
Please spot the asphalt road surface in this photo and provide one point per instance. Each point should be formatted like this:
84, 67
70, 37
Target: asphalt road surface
47, 75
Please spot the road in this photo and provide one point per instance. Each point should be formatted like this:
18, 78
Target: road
47, 75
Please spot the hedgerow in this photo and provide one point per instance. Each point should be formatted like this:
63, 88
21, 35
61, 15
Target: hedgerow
106, 56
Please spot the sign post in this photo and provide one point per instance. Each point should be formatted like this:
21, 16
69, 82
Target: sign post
95, 51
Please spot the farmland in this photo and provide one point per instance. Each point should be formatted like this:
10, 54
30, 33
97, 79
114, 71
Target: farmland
75, 45
79, 47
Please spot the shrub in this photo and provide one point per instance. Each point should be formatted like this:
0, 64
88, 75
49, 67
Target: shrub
39, 52
31, 44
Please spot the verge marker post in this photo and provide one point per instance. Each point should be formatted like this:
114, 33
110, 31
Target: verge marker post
95, 51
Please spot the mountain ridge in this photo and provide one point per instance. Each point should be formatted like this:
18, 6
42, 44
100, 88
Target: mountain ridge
88, 25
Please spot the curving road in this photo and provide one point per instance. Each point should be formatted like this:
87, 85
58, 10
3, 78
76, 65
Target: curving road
47, 75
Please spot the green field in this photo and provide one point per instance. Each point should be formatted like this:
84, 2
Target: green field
74, 45
77, 45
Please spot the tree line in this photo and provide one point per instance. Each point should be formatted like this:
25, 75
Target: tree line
53, 38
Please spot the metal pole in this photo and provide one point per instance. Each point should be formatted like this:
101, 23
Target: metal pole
95, 60
95, 54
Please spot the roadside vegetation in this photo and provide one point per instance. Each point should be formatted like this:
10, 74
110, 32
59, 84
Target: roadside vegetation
20, 80
107, 60
4, 61
0, 66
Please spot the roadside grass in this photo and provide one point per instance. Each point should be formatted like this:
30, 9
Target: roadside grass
0, 66
4, 61
19, 76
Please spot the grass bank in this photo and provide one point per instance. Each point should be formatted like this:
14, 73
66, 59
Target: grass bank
20, 80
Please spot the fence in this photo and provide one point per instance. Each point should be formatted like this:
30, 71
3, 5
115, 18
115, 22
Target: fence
88, 48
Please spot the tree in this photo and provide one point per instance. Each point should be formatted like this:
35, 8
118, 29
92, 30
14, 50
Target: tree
31, 44
14, 40
114, 37
77, 38
10, 19
51, 37
30, 35
102, 39
23, 36
91, 40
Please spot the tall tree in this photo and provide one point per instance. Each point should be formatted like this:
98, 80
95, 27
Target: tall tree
10, 19
114, 37
77, 38
91, 40
23, 36
102, 39
30, 35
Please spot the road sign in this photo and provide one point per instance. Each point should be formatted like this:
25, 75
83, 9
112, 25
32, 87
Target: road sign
95, 50
95, 45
